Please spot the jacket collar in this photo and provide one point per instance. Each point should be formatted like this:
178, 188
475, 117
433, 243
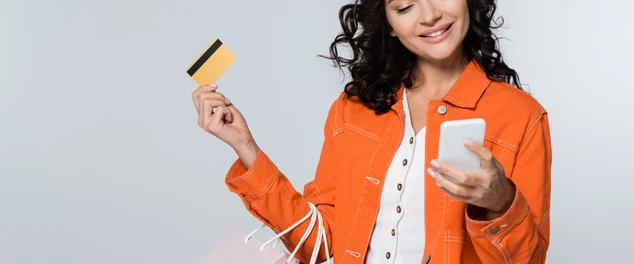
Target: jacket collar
465, 92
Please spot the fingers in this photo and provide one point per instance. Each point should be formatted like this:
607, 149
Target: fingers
453, 182
208, 92
206, 99
453, 174
218, 119
200, 90
455, 190
227, 114
235, 113
214, 96
210, 107
215, 99
213, 111
213, 102
204, 116
204, 89
486, 157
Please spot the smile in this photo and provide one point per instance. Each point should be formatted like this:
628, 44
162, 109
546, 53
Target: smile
437, 33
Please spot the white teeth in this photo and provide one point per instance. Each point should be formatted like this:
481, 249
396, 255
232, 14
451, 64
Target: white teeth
437, 33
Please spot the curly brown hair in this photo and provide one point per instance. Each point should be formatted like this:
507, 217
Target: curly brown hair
380, 61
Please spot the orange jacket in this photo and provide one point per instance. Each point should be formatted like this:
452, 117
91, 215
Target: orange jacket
357, 151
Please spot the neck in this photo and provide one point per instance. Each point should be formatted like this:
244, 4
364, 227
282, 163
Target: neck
435, 78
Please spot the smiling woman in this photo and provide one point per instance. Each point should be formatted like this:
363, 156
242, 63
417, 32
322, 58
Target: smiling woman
434, 31
384, 195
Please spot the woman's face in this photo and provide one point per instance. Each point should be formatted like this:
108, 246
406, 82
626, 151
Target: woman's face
432, 29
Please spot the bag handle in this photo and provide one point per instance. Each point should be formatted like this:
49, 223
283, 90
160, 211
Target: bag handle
315, 215
250, 235
321, 233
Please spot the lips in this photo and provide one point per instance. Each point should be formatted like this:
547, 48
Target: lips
436, 33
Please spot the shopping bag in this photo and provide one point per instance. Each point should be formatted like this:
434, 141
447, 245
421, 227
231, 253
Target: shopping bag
235, 249
238, 248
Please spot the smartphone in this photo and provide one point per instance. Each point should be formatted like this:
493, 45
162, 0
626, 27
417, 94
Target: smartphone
451, 148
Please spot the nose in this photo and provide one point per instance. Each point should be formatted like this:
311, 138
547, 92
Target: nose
429, 13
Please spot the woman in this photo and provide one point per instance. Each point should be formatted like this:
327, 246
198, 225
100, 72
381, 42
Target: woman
383, 195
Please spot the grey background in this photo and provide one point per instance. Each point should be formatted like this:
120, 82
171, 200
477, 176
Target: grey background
101, 160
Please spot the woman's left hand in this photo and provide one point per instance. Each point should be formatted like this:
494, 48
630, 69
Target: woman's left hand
486, 188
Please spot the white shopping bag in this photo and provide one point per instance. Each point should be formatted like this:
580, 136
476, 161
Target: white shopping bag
235, 250
244, 249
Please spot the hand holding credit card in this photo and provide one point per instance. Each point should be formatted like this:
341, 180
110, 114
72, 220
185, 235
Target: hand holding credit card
216, 114
211, 63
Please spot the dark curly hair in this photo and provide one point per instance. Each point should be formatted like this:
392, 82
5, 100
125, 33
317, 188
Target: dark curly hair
379, 61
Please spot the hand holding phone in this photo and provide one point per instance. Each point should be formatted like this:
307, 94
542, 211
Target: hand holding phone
452, 150
460, 174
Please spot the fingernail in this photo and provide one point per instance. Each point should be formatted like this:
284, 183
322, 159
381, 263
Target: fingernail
435, 163
213, 86
431, 172
468, 142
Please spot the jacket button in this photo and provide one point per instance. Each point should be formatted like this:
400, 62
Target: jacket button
427, 258
495, 230
411, 140
404, 162
388, 255
398, 209
442, 109
393, 232
399, 186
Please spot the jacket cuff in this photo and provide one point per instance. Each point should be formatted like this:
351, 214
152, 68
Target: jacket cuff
254, 182
495, 229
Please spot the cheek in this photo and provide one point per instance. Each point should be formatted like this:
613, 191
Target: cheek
465, 25
456, 9
465, 16
404, 26
401, 29
461, 13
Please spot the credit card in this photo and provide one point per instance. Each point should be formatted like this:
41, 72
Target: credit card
211, 63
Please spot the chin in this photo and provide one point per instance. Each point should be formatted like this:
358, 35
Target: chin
439, 53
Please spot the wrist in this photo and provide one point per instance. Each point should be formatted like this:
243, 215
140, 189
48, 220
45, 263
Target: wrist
507, 197
247, 153
248, 146
504, 204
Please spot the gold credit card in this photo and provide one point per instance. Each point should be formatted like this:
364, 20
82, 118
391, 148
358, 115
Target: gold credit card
211, 63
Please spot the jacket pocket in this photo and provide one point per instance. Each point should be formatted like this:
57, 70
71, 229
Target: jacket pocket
458, 247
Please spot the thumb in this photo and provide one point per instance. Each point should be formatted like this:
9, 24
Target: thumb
217, 119
235, 112
485, 155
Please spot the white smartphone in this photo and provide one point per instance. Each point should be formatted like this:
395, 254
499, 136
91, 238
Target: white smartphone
451, 148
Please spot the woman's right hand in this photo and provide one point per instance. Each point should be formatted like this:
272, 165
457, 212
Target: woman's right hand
219, 117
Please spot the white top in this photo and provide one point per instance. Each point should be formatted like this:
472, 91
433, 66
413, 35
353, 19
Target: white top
399, 232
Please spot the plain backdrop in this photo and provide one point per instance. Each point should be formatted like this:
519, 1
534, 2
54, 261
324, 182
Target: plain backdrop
101, 159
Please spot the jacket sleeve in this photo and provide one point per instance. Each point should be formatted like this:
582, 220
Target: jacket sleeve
521, 235
270, 197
